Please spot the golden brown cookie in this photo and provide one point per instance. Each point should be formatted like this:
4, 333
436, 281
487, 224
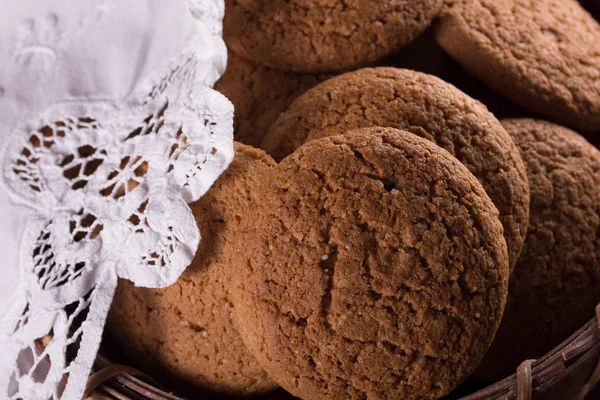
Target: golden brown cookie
373, 267
543, 54
426, 106
259, 94
184, 333
556, 283
323, 35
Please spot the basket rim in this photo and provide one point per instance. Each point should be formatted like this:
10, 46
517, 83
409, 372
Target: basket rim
570, 370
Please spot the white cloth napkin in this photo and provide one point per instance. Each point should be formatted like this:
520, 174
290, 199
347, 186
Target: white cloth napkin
108, 127
61, 50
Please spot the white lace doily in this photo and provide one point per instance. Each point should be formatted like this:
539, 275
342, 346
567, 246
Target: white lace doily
106, 182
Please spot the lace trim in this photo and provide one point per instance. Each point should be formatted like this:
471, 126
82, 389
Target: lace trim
110, 183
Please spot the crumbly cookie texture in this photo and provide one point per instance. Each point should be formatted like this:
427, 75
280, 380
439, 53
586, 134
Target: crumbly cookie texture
259, 94
556, 283
184, 333
374, 267
323, 35
426, 106
543, 54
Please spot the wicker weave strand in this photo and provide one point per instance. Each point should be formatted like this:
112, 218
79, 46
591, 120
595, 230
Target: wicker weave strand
524, 380
557, 375
113, 370
595, 377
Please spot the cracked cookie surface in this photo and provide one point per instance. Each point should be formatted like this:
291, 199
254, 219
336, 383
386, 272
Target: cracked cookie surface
556, 283
542, 54
426, 106
323, 35
259, 94
184, 333
373, 267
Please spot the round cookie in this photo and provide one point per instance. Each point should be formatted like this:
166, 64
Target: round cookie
184, 333
426, 106
542, 54
323, 35
259, 94
373, 267
556, 283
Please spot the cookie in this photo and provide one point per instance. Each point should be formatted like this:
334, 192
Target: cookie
323, 35
543, 55
373, 267
426, 106
184, 333
556, 283
259, 94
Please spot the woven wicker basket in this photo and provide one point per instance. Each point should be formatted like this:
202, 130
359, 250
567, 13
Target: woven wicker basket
570, 371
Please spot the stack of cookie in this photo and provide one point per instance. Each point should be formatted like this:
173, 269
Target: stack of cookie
380, 232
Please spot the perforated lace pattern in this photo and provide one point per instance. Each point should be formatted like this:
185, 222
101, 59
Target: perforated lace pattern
110, 183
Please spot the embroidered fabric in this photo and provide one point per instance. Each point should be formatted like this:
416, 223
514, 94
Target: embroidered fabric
108, 182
